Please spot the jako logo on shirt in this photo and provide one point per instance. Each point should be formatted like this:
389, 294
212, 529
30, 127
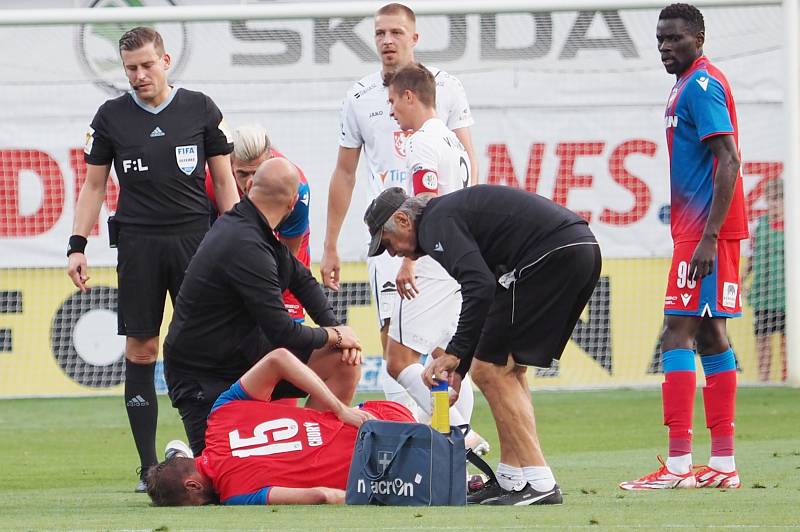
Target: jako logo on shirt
186, 157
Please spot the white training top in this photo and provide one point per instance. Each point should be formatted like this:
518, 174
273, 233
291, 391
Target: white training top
365, 120
436, 162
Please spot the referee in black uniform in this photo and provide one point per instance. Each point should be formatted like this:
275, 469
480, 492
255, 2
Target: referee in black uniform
230, 311
159, 139
527, 268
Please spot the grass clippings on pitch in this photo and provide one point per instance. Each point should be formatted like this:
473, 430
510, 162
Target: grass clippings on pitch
70, 464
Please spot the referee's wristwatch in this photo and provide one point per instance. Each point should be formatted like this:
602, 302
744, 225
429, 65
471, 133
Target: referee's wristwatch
77, 244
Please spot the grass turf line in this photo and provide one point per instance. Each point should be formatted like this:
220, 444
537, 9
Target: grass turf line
69, 464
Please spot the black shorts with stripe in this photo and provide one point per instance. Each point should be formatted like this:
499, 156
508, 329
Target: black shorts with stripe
534, 318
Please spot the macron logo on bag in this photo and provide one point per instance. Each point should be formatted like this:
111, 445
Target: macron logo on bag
396, 487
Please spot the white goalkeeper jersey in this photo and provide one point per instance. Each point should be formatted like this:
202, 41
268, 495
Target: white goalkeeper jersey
437, 163
365, 120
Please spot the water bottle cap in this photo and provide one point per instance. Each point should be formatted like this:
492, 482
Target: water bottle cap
440, 386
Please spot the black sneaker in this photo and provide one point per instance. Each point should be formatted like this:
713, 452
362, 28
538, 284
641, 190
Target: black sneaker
490, 490
141, 487
527, 496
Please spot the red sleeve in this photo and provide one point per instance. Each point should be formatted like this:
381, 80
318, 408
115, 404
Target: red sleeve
424, 180
210, 189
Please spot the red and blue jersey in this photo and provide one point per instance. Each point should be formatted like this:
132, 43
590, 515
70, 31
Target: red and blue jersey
253, 446
700, 106
297, 225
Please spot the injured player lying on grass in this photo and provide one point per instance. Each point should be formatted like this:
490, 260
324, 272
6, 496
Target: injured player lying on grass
259, 452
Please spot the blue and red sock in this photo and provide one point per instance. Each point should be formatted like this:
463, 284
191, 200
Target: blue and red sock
677, 394
719, 399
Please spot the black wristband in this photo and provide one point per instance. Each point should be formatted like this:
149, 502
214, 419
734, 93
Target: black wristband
77, 244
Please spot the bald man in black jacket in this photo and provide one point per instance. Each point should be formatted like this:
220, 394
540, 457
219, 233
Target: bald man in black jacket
230, 312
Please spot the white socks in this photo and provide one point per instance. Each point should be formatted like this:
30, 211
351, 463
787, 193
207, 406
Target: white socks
411, 380
396, 392
726, 464
540, 477
680, 465
509, 477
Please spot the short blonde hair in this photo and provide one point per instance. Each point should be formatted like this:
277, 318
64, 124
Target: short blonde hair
250, 142
398, 9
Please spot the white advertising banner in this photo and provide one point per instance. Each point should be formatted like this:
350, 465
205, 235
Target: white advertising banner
568, 105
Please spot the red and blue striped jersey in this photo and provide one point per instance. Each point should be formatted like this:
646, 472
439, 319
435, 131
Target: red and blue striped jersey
700, 106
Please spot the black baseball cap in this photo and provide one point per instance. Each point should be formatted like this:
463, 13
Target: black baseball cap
378, 213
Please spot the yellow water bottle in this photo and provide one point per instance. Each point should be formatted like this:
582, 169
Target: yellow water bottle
441, 407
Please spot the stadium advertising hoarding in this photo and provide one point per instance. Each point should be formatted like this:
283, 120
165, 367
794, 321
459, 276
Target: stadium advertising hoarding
59, 342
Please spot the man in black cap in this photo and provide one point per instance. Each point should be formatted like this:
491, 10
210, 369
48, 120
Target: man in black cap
527, 268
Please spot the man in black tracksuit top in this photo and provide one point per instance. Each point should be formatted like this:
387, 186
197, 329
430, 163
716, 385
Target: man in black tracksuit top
527, 268
230, 311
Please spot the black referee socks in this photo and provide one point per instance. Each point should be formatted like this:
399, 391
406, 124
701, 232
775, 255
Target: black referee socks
142, 407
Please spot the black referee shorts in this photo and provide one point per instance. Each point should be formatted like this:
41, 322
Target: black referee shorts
534, 318
193, 393
151, 261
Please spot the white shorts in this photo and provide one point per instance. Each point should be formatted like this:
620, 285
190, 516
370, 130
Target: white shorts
429, 320
382, 276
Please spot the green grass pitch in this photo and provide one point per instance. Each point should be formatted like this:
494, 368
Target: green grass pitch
69, 464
